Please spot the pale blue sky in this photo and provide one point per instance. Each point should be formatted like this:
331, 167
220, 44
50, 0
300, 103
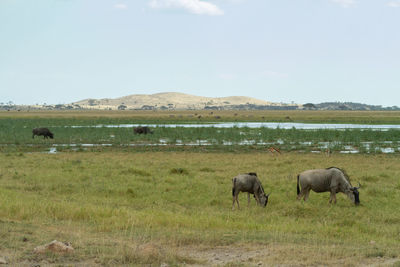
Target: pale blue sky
61, 51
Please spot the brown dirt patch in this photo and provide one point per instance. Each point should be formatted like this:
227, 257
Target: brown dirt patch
277, 255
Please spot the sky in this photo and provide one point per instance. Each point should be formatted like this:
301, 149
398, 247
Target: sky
301, 51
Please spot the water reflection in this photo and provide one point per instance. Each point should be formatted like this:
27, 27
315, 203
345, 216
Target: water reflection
316, 147
272, 125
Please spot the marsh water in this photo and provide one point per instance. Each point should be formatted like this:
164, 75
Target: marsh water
309, 144
273, 125
319, 147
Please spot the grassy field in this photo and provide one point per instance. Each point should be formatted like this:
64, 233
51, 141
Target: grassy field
132, 205
16, 133
140, 116
175, 207
221, 139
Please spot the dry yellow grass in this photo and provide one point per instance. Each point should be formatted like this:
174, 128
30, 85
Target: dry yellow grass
132, 208
377, 117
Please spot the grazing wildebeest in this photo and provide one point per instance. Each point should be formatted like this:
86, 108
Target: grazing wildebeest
331, 179
249, 183
142, 130
42, 131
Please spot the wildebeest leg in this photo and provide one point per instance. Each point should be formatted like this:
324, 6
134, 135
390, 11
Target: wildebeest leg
302, 193
333, 196
233, 201
235, 198
306, 194
257, 198
248, 199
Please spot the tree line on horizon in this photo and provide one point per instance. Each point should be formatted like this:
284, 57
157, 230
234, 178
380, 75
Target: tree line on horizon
308, 106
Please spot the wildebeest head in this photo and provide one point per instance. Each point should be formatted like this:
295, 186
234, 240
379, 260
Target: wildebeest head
264, 200
51, 135
354, 195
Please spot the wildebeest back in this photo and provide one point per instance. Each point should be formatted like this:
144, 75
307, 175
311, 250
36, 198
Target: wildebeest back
142, 130
42, 131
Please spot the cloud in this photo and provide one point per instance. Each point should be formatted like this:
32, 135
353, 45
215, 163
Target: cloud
393, 4
345, 3
120, 6
193, 6
235, 1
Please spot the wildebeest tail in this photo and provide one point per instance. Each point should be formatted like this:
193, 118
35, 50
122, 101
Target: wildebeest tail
298, 188
233, 186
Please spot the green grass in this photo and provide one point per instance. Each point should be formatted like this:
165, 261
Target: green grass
16, 135
138, 208
189, 116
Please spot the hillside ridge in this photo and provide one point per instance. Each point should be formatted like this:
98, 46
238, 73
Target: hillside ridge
169, 100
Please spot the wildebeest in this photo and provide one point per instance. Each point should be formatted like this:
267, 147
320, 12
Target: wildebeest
142, 130
331, 179
248, 182
42, 131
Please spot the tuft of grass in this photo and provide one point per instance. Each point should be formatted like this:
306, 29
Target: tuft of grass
397, 187
235, 264
147, 254
179, 171
133, 171
206, 169
375, 253
369, 178
76, 162
130, 192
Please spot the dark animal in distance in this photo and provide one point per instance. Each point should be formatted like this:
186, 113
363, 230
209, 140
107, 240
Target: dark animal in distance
142, 130
249, 183
42, 131
333, 180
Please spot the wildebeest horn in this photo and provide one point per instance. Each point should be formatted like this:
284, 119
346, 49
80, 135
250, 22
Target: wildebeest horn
268, 194
359, 185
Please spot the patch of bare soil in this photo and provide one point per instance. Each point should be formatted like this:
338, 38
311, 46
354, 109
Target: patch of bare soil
234, 255
275, 255
221, 256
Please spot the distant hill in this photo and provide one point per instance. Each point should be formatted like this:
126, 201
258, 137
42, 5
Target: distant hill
181, 101
173, 100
